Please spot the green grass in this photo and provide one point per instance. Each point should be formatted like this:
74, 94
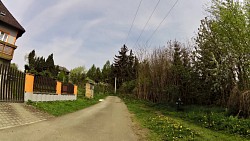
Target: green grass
58, 108
165, 123
213, 118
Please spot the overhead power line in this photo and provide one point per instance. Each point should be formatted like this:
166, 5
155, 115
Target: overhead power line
162, 21
147, 22
133, 21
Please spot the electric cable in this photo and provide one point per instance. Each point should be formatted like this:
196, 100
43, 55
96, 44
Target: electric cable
133, 21
162, 21
147, 22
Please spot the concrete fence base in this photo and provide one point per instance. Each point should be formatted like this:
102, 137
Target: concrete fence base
47, 97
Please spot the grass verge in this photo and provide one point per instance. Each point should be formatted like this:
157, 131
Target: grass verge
58, 108
168, 126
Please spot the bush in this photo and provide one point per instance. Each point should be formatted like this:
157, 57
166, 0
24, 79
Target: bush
239, 103
127, 87
245, 104
233, 103
213, 118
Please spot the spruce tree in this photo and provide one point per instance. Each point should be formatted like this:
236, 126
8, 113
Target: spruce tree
121, 62
50, 66
106, 70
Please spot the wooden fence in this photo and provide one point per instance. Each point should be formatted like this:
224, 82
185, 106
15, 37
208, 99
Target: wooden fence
67, 88
44, 84
11, 84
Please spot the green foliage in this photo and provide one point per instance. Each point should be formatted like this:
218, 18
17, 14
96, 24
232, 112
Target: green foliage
222, 50
94, 74
14, 66
128, 87
62, 77
58, 108
50, 66
31, 59
170, 129
106, 73
39, 66
205, 73
81, 92
166, 74
103, 88
209, 117
124, 66
166, 123
98, 75
77, 76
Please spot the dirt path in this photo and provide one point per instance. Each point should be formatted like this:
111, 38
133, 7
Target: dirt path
106, 121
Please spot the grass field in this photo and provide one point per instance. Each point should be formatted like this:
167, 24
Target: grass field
165, 123
58, 108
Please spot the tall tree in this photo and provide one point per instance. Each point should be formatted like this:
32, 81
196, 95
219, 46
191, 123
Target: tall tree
98, 75
50, 66
78, 75
91, 74
123, 66
31, 60
106, 72
222, 51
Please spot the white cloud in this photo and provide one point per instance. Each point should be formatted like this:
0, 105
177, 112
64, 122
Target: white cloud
86, 32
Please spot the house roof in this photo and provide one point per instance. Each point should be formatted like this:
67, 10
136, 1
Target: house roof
63, 69
7, 18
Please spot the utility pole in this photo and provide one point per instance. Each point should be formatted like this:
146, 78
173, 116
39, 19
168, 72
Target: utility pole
115, 85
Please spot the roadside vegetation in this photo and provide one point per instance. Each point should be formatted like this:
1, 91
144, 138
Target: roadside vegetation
210, 75
193, 123
59, 108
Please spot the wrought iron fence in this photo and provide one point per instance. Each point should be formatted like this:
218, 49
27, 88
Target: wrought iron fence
67, 88
11, 84
44, 84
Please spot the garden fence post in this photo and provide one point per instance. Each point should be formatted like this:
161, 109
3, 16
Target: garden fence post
29, 86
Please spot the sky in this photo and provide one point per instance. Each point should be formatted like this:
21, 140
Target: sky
87, 32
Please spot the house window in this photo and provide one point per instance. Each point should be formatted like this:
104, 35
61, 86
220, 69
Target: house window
8, 50
3, 36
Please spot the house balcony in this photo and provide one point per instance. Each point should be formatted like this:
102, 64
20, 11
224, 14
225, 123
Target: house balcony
6, 50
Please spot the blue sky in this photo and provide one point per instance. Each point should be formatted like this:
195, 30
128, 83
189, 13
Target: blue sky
86, 32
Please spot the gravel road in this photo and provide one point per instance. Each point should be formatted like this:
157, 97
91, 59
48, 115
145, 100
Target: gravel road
108, 120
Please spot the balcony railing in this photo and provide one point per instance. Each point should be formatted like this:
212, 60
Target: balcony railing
6, 50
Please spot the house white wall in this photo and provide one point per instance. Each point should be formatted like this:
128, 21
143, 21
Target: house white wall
48, 97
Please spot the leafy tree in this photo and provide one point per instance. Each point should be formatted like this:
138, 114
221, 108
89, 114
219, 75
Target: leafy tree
63, 77
91, 74
222, 50
106, 72
14, 66
77, 75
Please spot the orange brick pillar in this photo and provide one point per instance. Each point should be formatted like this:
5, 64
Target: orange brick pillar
58, 88
29, 83
75, 89
29, 86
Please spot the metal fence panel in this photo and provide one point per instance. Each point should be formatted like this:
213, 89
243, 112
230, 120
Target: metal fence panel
44, 84
12, 84
67, 88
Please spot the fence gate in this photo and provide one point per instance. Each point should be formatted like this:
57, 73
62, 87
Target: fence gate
12, 84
